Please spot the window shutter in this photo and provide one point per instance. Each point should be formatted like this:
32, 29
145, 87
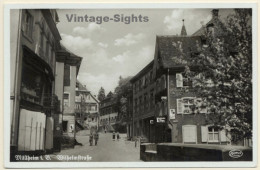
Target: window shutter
223, 137
204, 134
179, 106
179, 80
189, 133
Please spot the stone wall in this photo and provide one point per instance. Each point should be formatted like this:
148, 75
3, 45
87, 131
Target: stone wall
199, 152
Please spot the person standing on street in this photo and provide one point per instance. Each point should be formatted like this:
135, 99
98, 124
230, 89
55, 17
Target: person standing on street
117, 135
90, 139
96, 138
114, 136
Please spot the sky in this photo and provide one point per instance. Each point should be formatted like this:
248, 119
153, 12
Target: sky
113, 49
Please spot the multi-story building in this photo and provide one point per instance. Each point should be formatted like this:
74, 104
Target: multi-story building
71, 69
34, 38
144, 102
108, 113
175, 120
129, 116
87, 107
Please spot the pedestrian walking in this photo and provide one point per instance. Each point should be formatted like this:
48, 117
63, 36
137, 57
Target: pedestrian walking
96, 138
117, 135
90, 139
113, 136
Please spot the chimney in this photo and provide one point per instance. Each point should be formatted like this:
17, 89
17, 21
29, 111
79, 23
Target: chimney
214, 13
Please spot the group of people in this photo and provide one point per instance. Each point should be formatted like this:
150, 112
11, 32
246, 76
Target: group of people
114, 136
93, 137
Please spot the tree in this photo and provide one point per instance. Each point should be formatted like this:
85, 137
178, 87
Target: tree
222, 71
122, 95
101, 94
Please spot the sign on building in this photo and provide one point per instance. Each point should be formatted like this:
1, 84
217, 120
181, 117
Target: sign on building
160, 119
172, 114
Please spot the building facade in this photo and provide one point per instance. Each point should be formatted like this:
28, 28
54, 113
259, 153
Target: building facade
174, 118
144, 103
108, 114
87, 108
34, 39
71, 69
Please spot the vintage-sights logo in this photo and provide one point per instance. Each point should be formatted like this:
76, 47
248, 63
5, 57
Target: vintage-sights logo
235, 153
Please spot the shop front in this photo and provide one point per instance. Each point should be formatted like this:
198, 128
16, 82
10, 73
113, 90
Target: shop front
35, 133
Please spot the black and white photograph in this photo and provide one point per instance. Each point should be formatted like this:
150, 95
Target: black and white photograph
130, 87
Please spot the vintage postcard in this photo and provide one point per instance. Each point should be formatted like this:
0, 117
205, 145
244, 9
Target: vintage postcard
130, 85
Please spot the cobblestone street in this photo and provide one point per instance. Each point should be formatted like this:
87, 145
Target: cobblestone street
107, 150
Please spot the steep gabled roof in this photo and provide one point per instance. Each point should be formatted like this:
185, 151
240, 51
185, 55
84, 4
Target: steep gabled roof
81, 86
170, 48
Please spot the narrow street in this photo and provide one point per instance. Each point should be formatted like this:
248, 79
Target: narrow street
107, 150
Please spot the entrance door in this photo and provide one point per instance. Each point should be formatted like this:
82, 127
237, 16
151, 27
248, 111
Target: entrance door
189, 133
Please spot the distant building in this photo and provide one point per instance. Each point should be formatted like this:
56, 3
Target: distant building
108, 113
71, 69
87, 108
144, 103
34, 41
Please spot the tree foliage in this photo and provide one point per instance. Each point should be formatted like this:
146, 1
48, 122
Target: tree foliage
224, 66
101, 94
122, 95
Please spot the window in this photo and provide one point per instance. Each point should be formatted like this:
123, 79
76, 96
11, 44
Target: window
151, 76
144, 105
47, 47
185, 105
179, 80
67, 75
163, 82
189, 105
28, 24
93, 108
41, 43
140, 84
213, 134
140, 104
183, 81
187, 82
151, 99
66, 99
65, 126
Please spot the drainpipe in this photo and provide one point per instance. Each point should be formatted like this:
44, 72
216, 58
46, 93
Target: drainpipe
168, 98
